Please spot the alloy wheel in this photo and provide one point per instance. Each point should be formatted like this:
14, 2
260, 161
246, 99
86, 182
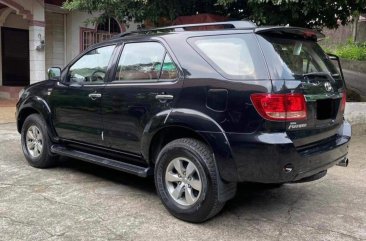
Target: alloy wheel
34, 141
183, 181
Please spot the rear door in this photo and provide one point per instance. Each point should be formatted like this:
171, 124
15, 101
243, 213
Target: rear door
299, 65
146, 82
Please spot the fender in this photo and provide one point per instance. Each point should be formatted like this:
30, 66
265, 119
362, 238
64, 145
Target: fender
155, 124
203, 125
41, 106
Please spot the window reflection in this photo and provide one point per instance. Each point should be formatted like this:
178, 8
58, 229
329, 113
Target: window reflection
168, 70
140, 61
92, 67
235, 56
230, 54
297, 57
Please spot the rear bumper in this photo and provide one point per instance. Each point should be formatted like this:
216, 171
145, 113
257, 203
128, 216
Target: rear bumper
262, 157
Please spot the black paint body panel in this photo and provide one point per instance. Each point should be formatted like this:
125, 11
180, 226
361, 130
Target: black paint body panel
246, 146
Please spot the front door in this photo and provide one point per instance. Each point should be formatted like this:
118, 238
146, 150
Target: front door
145, 83
15, 56
76, 101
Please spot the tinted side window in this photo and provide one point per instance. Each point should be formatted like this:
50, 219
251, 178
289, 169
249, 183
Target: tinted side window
235, 56
140, 61
92, 67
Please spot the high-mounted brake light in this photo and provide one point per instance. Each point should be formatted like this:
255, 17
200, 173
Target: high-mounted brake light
280, 107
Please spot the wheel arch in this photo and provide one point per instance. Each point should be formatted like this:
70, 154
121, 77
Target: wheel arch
35, 105
183, 123
23, 114
169, 133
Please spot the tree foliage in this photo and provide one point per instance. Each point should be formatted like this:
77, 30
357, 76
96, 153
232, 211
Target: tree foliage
306, 13
303, 13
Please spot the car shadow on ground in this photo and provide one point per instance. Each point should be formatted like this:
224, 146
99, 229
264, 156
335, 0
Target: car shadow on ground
248, 194
143, 184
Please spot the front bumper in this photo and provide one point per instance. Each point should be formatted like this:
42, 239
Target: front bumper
263, 157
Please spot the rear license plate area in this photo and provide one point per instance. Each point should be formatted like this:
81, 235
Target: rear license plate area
326, 109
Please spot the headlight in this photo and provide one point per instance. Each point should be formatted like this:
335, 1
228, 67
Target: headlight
21, 92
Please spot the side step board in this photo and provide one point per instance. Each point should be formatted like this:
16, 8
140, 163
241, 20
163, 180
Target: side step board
103, 161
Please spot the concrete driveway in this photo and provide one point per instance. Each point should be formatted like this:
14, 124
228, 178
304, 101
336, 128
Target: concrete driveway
356, 82
80, 201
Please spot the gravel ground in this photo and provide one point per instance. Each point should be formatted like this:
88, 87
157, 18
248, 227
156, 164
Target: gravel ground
80, 201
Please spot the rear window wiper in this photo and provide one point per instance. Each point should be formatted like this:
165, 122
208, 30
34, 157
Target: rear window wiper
336, 75
335, 57
318, 74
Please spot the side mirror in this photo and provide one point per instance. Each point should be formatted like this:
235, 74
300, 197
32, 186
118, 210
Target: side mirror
54, 73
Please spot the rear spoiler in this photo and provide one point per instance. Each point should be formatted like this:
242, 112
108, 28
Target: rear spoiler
299, 32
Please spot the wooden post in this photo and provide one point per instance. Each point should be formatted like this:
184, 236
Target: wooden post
355, 27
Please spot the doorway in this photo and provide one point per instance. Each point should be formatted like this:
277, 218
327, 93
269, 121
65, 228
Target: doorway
15, 56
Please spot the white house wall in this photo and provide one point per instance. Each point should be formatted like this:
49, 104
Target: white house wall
16, 21
36, 57
75, 21
55, 40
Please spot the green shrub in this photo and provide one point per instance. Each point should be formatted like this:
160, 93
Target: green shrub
351, 50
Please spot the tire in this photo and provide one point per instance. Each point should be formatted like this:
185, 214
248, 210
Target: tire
193, 204
36, 144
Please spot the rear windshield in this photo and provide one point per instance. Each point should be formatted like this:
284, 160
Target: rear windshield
234, 56
293, 58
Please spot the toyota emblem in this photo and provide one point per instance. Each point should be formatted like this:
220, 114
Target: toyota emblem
328, 86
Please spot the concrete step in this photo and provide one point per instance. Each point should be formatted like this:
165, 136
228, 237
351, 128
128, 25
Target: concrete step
7, 102
10, 92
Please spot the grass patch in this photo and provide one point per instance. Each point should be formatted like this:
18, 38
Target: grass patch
350, 50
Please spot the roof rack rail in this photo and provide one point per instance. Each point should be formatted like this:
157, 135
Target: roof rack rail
181, 28
126, 34
230, 24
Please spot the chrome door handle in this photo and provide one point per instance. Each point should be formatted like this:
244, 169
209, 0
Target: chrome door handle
164, 97
94, 96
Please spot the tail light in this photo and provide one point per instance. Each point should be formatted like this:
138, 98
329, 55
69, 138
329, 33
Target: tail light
343, 102
280, 107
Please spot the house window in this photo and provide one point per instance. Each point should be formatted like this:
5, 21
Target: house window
103, 31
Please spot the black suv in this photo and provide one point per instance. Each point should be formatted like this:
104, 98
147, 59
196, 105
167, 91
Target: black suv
201, 107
